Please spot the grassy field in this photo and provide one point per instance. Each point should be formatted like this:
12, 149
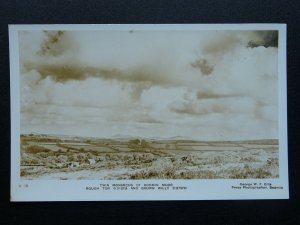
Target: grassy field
62, 158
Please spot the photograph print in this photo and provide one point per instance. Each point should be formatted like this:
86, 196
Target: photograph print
148, 104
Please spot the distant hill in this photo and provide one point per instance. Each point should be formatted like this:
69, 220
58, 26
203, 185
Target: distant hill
128, 137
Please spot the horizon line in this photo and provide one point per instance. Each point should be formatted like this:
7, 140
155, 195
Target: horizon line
139, 137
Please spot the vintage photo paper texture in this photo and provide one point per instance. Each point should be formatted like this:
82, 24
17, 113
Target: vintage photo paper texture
148, 112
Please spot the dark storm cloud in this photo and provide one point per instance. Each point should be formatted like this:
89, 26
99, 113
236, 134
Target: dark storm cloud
222, 43
71, 71
58, 58
65, 72
57, 43
212, 95
265, 38
52, 43
203, 66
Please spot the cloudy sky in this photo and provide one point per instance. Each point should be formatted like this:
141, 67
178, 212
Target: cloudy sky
203, 85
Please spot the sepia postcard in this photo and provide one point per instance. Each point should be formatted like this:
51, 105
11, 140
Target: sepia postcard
148, 112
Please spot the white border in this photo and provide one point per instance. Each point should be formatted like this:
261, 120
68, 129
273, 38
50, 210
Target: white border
212, 189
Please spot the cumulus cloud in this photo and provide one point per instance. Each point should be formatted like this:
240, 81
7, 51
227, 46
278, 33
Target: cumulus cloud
196, 84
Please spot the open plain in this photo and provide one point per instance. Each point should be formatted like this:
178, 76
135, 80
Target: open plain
52, 157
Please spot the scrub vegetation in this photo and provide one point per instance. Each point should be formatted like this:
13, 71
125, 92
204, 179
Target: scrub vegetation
53, 157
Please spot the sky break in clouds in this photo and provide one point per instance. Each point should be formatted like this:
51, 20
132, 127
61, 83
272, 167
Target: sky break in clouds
202, 85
